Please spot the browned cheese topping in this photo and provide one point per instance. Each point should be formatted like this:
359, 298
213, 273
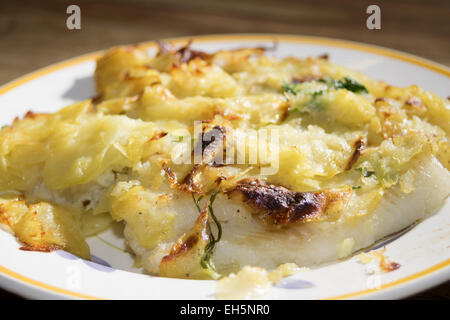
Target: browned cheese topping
280, 206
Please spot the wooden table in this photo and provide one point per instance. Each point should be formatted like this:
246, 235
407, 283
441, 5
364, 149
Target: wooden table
33, 34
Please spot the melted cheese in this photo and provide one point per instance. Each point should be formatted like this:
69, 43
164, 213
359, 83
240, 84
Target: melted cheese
371, 147
253, 282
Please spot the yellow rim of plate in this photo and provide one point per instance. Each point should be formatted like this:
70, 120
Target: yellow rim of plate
249, 37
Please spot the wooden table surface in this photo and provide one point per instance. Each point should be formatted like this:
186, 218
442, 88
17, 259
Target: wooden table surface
33, 34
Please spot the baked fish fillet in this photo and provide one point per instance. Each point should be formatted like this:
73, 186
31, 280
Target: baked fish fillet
216, 161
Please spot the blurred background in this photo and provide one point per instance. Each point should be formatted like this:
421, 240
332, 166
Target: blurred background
33, 34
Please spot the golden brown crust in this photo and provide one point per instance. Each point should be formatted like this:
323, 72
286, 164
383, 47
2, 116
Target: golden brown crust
389, 266
181, 248
280, 206
41, 247
183, 54
210, 140
3, 217
359, 146
170, 174
189, 184
307, 78
183, 261
158, 135
33, 115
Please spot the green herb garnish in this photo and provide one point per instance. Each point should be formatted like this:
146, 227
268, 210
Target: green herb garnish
290, 88
356, 187
345, 83
366, 173
317, 93
352, 85
293, 111
205, 261
177, 138
197, 202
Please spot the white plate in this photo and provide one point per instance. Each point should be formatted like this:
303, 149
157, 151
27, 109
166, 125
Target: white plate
423, 251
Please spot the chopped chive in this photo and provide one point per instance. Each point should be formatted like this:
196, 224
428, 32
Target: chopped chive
177, 138
353, 85
205, 261
366, 173
290, 88
345, 83
292, 111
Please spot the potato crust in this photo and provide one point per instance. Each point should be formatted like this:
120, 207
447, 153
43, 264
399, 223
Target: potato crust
354, 159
